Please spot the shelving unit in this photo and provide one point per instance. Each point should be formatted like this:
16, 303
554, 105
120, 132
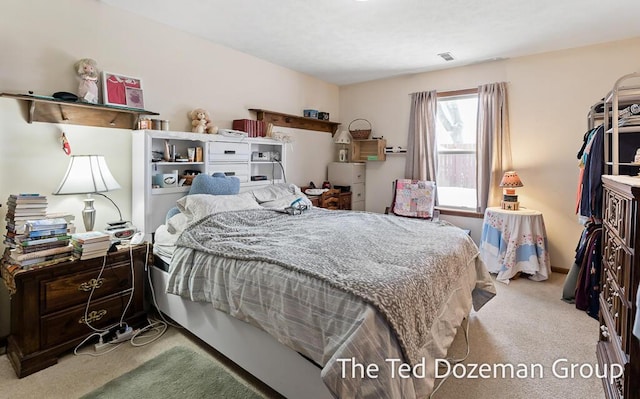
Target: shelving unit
294, 121
228, 155
368, 150
621, 129
51, 110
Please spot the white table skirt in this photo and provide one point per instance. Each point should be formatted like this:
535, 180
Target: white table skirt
515, 242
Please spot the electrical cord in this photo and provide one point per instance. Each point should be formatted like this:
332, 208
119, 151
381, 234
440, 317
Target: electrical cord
101, 332
452, 360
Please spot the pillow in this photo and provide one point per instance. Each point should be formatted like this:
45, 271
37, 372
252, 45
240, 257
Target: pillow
198, 206
275, 191
172, 212
177, 223
216, 184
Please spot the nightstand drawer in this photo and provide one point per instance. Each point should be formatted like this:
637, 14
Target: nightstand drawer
59, 327
75, 289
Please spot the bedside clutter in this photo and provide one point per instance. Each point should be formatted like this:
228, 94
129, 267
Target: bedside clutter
333, 198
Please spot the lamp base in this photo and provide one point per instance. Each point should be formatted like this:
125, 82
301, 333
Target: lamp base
89, 214
510, 205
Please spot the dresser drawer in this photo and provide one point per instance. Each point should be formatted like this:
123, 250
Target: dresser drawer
228, 152
239, 170
75, 289
357, 192
617, 213
61, 327
346, 174
617, 262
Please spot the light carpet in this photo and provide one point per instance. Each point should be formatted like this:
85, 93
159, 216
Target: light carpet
176, 373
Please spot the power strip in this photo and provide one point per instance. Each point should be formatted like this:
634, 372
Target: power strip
125, 335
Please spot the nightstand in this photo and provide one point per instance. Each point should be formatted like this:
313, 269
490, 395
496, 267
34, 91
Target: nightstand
48, 314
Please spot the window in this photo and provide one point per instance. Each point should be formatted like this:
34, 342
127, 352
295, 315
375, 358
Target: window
456, 118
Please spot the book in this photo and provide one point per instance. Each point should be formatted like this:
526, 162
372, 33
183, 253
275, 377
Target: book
46, 263
46, 224
17, 256
42, 259
90, 255
26, 205
46, 233
41, 247
91, 246
28, 243
27, 196
90, 236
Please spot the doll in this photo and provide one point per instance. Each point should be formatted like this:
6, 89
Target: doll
87, 70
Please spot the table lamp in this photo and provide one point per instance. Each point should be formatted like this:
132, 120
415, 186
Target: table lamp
88, 174
343, 138
510, 181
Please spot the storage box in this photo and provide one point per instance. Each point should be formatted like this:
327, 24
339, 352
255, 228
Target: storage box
310, 113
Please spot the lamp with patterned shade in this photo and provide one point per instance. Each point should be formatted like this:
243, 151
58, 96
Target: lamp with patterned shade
510, 181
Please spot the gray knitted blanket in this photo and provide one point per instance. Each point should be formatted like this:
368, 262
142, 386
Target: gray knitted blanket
403, 267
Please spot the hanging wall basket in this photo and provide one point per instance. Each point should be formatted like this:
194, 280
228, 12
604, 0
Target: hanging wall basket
360, 134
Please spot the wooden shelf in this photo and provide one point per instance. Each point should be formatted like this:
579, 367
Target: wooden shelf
368, 150
294, 121
51, 110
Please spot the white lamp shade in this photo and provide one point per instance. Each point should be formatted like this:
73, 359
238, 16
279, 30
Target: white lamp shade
87, 174
342, 138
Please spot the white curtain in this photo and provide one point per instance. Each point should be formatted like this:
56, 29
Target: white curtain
493, 143
421, 158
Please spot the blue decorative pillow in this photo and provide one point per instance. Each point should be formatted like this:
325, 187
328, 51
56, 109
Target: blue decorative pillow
216, 184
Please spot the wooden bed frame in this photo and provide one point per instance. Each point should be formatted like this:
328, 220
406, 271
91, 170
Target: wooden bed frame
283, 369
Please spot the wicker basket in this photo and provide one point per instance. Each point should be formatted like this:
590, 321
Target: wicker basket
360, 134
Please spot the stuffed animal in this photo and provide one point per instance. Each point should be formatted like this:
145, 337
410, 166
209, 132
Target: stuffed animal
201, 122
87, 71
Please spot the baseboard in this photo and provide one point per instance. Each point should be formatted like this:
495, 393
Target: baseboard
3, 345
559, 270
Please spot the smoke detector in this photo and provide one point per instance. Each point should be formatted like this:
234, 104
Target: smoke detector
446, 56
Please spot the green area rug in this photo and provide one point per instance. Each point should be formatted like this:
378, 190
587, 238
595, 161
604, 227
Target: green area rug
177, 373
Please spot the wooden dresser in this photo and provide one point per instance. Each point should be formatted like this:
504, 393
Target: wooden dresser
620, 276
48, 308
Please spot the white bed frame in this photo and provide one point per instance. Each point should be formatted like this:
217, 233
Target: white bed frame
281, 368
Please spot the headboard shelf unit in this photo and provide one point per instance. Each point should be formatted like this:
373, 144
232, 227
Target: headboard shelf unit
295, 121
51, 110
240, 157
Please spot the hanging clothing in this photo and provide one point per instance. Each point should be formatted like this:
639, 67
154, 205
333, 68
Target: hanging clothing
591, 187
589, 257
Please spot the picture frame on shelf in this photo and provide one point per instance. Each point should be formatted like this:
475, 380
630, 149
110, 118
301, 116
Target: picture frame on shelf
122, 90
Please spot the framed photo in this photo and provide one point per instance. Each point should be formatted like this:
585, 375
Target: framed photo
121, 90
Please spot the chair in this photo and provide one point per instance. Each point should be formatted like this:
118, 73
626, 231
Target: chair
413, 198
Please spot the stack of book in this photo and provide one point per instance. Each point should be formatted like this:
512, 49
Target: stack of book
91, 244
44, 242
24, 207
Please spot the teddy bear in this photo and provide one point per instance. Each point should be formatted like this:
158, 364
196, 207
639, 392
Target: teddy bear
201, 122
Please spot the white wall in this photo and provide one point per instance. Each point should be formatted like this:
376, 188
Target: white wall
41, 41
549, 97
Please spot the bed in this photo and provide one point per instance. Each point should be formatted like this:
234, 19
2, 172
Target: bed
320, 303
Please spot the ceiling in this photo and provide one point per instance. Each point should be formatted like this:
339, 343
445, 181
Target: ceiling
349, 41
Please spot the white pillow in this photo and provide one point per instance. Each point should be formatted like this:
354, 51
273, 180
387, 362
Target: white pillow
177, 223
275, 191
197, 206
